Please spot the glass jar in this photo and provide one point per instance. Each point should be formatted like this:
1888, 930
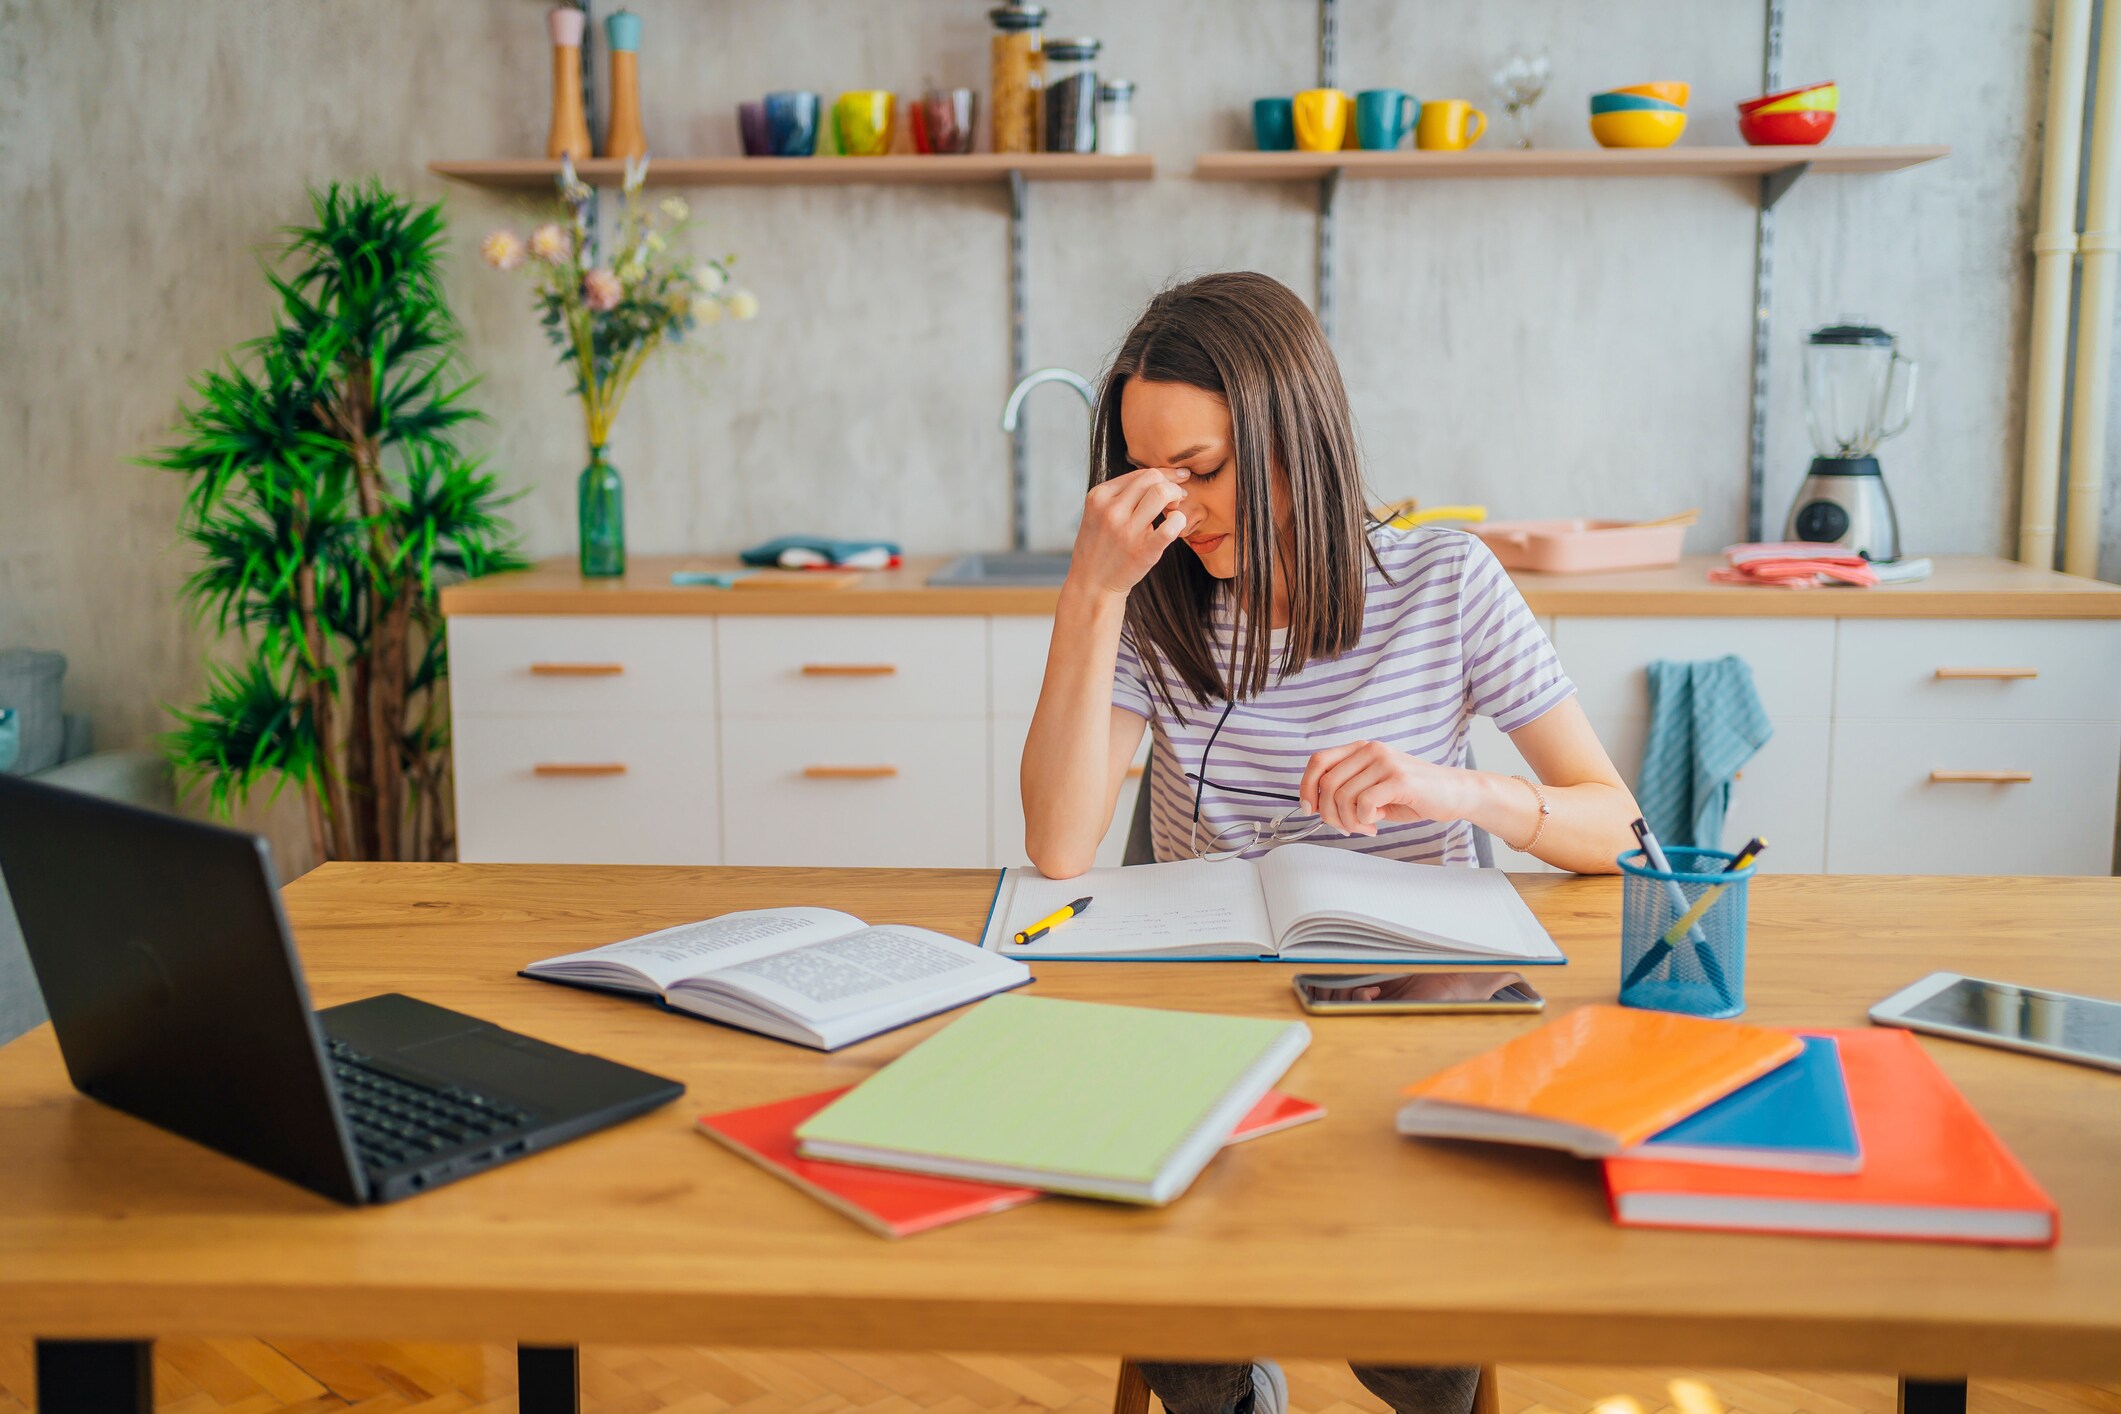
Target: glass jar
1116, 135
1071, 95
1017, 75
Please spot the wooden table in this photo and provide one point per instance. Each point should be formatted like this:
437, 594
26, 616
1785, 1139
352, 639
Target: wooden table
1336, 1240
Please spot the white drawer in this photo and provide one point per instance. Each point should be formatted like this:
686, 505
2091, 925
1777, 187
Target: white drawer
1017, 665
1888, 816
853, 667
890, 793
1792, 659
580, 663
1006, 771
1980, 669
1779, 795
658, 807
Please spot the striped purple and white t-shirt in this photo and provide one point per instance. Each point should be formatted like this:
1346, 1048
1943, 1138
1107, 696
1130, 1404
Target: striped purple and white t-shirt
1445, 636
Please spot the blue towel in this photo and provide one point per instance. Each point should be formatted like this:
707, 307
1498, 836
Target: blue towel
1705, 723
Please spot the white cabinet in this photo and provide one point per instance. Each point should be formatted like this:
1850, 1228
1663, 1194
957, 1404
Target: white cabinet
895, 740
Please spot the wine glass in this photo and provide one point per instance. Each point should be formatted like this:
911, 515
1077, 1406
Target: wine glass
1519, 77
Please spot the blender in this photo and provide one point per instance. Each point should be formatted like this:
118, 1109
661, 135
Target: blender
1851, 371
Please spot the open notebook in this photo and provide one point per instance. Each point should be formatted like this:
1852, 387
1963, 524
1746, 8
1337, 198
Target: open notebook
814, 976
1299, 903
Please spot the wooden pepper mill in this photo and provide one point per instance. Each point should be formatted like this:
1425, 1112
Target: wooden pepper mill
570, 124
625, 139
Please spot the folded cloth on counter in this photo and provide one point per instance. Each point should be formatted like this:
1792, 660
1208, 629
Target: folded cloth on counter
1706, 722
1793, 566
821, 552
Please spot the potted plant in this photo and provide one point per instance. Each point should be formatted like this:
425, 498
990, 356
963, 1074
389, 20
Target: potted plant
328, 499
609, 317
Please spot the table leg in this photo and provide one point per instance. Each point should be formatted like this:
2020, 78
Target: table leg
548, 1379
1932, 1396
96, 1376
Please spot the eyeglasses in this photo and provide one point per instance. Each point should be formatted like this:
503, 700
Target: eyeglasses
1235, 838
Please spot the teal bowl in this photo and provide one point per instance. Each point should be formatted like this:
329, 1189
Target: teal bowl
1631, 103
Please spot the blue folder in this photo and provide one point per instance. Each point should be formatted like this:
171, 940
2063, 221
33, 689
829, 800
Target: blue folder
1796, 1117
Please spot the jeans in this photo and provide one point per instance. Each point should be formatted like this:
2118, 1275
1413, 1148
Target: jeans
1227, 1389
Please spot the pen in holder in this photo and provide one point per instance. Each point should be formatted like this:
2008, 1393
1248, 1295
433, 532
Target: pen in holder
1682, 933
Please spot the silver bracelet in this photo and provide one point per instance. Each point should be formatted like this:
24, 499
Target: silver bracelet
1544, 811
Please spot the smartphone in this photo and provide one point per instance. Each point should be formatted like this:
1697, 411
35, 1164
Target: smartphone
2053, 1024
1400, 993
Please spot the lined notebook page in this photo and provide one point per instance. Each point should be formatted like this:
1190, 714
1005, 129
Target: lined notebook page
1147, 906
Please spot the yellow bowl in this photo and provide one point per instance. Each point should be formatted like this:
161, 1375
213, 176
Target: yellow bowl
1670, 90
1812, 100
1637, 129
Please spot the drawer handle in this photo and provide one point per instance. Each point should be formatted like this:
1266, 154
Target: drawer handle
1134, 772
850, 773
579, 768
1986, 674
849, 670
1998, 778
577, 670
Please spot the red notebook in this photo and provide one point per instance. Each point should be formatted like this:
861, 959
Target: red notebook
895, 1204
1932, 1169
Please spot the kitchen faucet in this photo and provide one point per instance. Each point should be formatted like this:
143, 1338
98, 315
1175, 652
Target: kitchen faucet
1019, 456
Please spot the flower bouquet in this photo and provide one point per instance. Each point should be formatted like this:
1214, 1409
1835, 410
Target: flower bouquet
607, 317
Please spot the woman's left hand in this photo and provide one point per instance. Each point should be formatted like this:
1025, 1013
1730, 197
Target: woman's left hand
1353, 787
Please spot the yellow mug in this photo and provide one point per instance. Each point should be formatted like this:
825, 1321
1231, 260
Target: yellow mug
865, 121
1449, 125
1321, 119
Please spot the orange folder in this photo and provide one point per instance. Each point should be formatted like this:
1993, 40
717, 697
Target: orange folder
1932, 1169
1594, 1082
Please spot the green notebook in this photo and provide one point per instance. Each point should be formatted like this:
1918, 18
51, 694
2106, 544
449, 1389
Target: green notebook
1115, 1102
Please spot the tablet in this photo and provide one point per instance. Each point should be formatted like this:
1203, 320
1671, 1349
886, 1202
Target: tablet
2058, 1025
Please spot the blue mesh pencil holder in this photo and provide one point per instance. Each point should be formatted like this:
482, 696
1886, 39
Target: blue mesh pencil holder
1701, 969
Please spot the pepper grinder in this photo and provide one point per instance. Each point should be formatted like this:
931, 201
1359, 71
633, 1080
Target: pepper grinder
570, 125
624, 139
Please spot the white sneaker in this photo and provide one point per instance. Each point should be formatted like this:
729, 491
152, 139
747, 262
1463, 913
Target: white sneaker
1270, 1388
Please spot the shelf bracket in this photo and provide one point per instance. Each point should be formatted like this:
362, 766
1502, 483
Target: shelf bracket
1775, 184
1328, 199
1019, 363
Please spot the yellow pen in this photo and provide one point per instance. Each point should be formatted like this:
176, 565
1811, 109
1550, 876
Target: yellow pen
1708, 900
1051, 921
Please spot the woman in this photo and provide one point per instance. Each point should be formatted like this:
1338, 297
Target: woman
1307, 673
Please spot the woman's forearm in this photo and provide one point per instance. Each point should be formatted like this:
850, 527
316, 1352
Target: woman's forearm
1586, 828
1068, 779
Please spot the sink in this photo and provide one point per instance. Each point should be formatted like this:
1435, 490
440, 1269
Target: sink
1019, 567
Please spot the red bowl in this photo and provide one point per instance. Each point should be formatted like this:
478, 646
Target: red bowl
1766, 98
1798, 128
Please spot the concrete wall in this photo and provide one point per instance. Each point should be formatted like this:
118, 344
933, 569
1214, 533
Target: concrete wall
1545, 347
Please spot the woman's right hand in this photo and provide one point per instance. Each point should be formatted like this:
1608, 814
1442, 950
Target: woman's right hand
1120, 540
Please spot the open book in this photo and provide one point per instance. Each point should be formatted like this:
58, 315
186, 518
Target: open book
813, 976
1299, 903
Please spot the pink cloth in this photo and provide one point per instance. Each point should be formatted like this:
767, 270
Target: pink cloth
1792, 566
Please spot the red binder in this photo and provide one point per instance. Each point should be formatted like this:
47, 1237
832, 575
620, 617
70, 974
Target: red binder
1932, 1169
894, 1204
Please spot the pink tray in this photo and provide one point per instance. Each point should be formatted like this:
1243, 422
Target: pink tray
1580, 546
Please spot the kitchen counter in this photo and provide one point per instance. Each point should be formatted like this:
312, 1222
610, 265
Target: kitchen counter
1963, 587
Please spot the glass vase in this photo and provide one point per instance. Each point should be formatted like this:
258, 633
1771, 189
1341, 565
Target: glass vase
601, 506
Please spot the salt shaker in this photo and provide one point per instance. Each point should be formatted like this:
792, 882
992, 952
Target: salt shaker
1116, 135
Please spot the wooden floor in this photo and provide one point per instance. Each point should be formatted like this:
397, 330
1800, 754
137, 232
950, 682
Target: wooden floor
315, 1377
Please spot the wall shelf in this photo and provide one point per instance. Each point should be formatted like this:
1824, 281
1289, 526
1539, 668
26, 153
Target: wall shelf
1555, 162
974, 168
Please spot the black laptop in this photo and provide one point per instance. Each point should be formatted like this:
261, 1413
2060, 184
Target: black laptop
176, 996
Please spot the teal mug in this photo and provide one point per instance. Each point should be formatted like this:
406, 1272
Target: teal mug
1274, 124
1383, 118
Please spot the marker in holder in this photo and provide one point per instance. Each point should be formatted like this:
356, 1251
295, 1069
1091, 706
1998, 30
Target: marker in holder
1698, 968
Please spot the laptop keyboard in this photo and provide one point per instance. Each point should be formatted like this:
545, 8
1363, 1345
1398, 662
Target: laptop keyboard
399, 1121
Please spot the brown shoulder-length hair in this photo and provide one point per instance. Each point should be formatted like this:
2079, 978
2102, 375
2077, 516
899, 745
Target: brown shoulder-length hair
1249, 340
